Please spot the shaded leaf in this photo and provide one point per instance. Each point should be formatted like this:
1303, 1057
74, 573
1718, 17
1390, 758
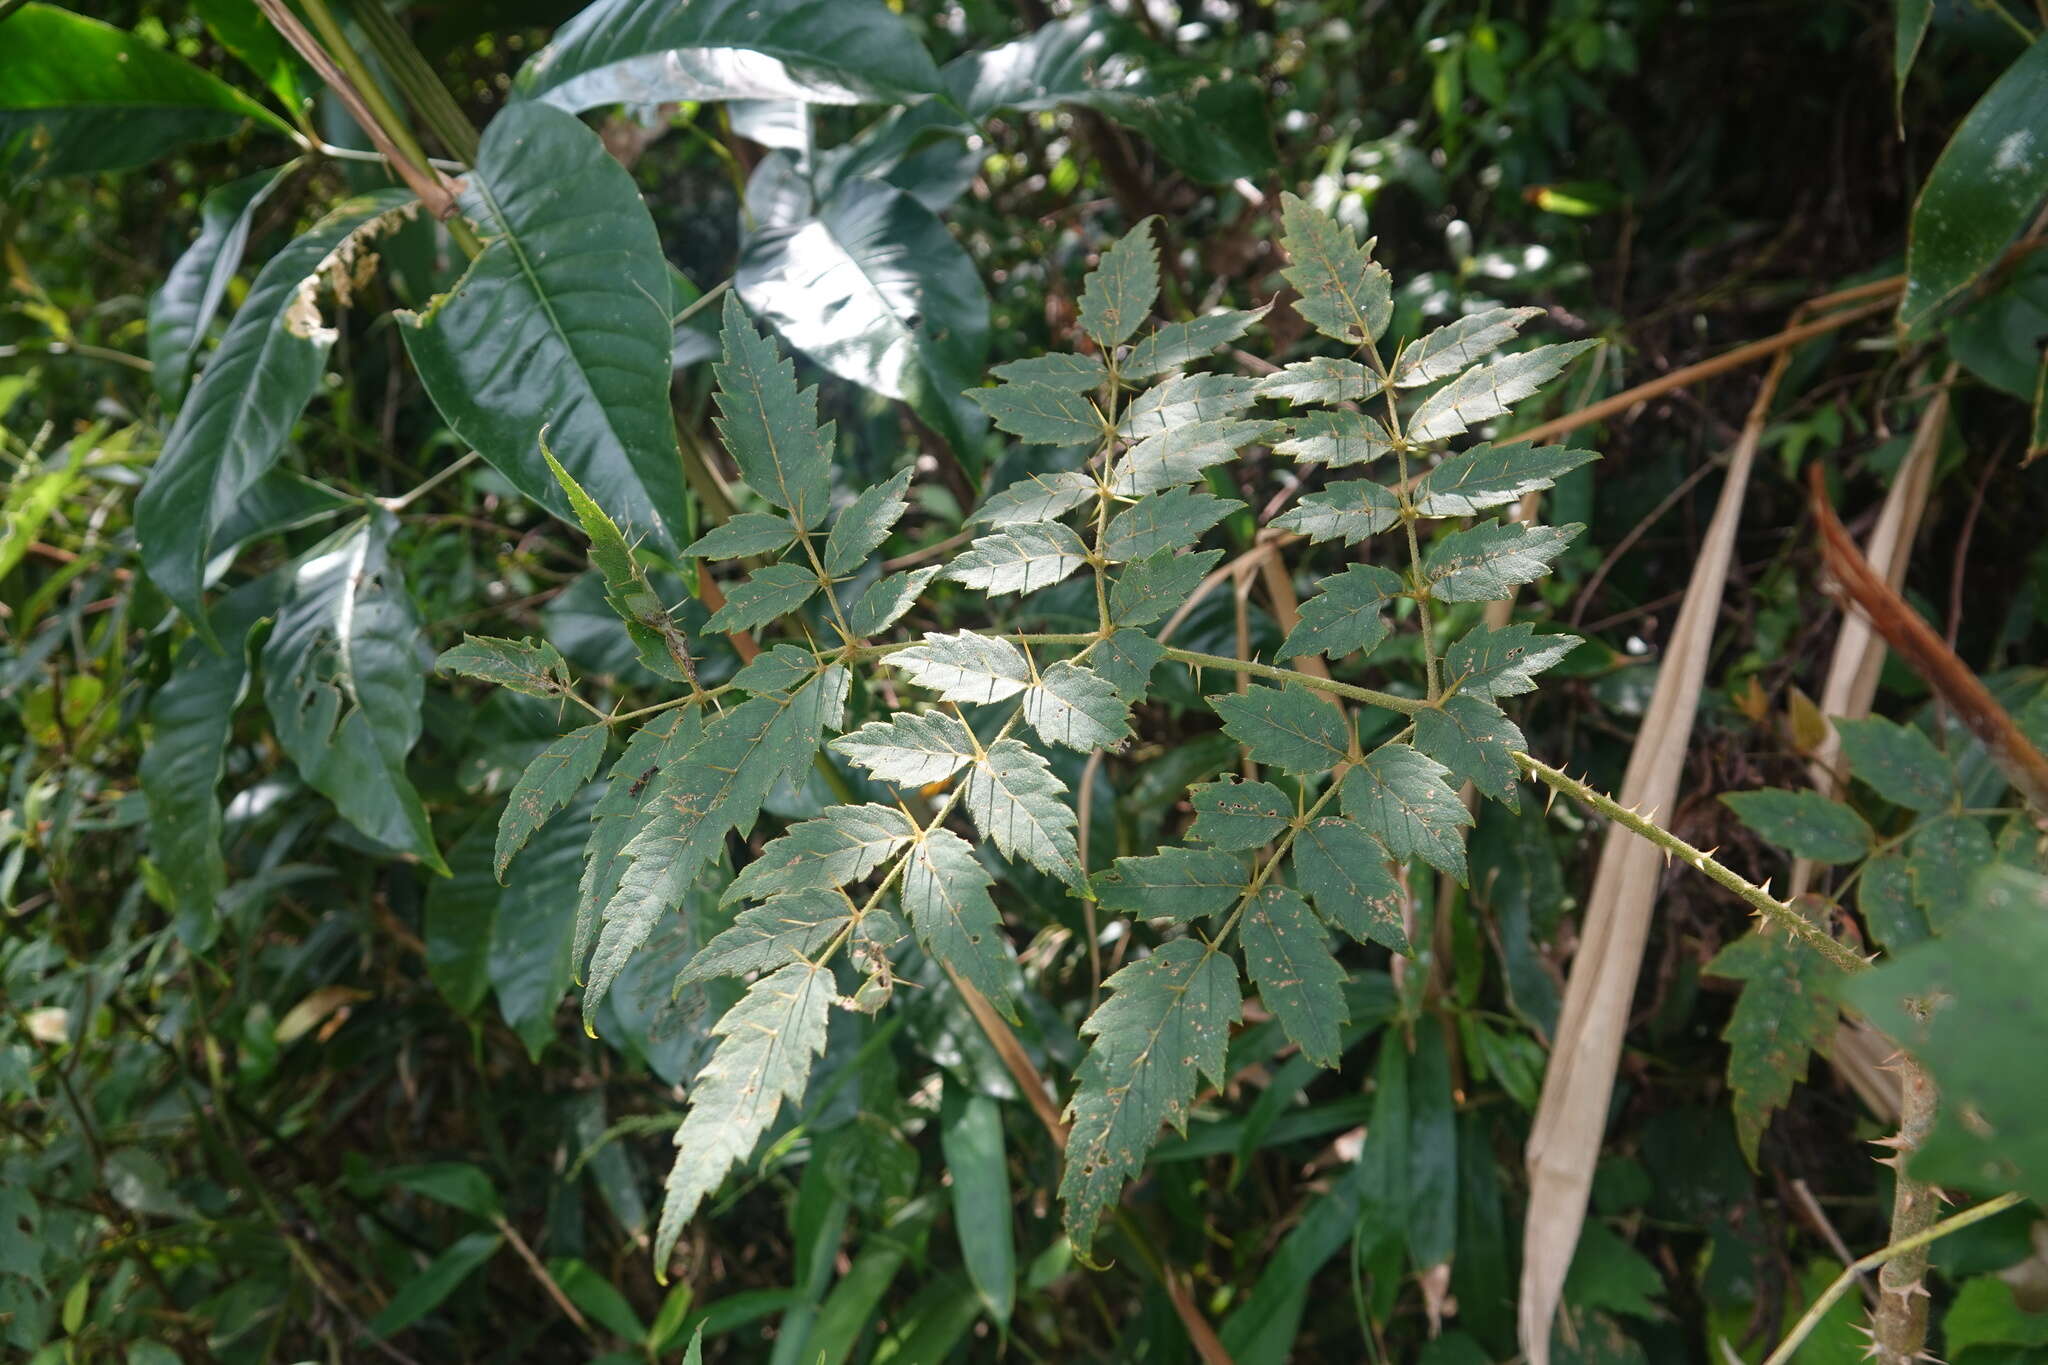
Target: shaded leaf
1288, 957
769, 594
1016, 801
865, 525
1292, 729
1804, 823
1474, 739
1783, 1014
1041, 497
549, 783
1185, 399
886, 599
627, 591
1126, 659
1235, 814
626, 808
191, 293
1344, 871
1179, 455
1174, 519
1488, 476
1058, 369
749, 533
1348, 616
770, 425
840, 846
1401, 796
1180, 884
1943, 860
1502, 661
1043, 414
779, 931
1073, 705
1899, 762
971, 1140
1884, 893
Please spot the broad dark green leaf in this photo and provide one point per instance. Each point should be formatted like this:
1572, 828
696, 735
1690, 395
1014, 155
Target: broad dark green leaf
781, 930
1019, 559
911, 749
771, 426
647, 52
457, 918
769, 594
1178, 343
184, 304
1475, 740
971, 1139
1455, 345
1344, 871
1288, 956
1117, 295
769, 1041
876, 290
532, 667
1344, 293
1041, 497
80, 95
1348, 511
235, 422
343, 684
1175, 883
1292, 729
840, 846
1784, 1013
549, 783
1899, 762
1339, 438
1185, 399
1234, 814
1043, 414
1489, 561
1174, 519
1402, 796
531, 937
1167, 1018
1488, 476
865, 525
1180, 454
945, 897
560, 324
1320, 379
1432, 1151
1502, 661
1804, 823
749, 533
1983, 189
1485, 392
965, 667
1017, 802
1348, 616
885, 600
1073, 705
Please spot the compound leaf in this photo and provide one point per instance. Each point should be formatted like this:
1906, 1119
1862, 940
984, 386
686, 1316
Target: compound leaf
945, 895
749, 533
779, 931
1235, 814
1157, 584
1043, 414
768, 595
886, 600
1320, 379
1488, 476
1804, 823
1475, 740
1185, 399
1899, 762
1348, 511
1174, 519
1041, 497
1502, 661
1058, 369
534, 668
839, 847
1177, 343
1455, 345
1783, 1014
865, 525
1180, 454
770, 425
1336, 437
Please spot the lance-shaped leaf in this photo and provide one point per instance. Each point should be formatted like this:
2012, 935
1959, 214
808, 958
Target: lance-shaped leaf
1016, 801
770, 425
1174, 519
1185, 399
1502, 661
945, 894
529, 961
1485, 392
1167, 1019
1126, 659
875, 289
784, 929
1175, 883
1041, 497
1180, 454
1292, 729
1288, 956
649, 52
1348, 511
910, 749
1234, 814
1455, 345
561, 323
749, 533
342, 682
1899, 762
1784, 1014
1348, 616
549, 783
626, 808
235, 422
965, 667
1320, 379
1488, 476
627, 590
1019, 559
865, 524
1158, 584
839, 847
1343, 870
1344, 293
1400, 795
1475, 740
886, 600
1044, 414
1072, 704
1338, 438
1178, 343
771, 1038
1118, 294
768, 595
1804, 823
1487, 562
1060, 370
534, 668
186, 301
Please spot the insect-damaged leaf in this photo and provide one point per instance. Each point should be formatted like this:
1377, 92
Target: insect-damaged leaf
1487, 562
1288, 956
1174, 883
1347, 616
1237, 815
1344, 293
1118, 294
1502, 661
549, 782
1401, 796
1292, 729
1784, 1013
1016, 801
1343, 870
1475, 740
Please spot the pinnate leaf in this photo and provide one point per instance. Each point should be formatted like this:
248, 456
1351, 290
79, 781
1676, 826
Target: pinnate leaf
1502, 661
532, 667
1347, 616
749, 533
1234, 814
1489, 561
1019, 559
627, 590
1174, 519
549, 782
773, 934
1059, 370
1177, 343
1071, 704
1899, 762
1320, 379
770, 426
866, 524
1344, 293
1118, 294
1175, 883
1336, 437
886, 600
1180, 454
1292, 729
1488, 476
1017, 802
840, 846
1288, 956
910, 749
1400, 795
945, 895
1485, 392
1455, 345
1348, 511
770, 594
1043, 414
1156, 585
1126, 659
1040, 497
1804, 823
1185, 399
965, 667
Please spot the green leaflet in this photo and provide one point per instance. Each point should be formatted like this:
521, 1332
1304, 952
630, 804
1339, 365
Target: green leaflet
1057, 369
1455, 345
770, 426
1126, 659
1348, 511
1073, 705
1486, 476
1898, 762
1016, 801
1348, 616
532, 667
1502, 661
549, 783
1401, 796
1177, 343
1042, 413
768, 595
1884, 893
1343, 870
865, 524
1156, 585
1238, 815
840, 846
625, 809
1175, 883
965, 667
769, 1041
1784, 1013
781, 930
1320, 379
777, 671
1292, 729
749, 533
1804, 823
456, 921
1485, 392
886, 600
1489, 561
1166, 1019
1337, 437
1019, 559
1183, 400
1432, 1151
1041, 497
910, 749
1180, 454
1288, 958
1344, 294
1476, 741
971, 1140
1117, 296
627, 590
1174, 519
1943, 860
531, 939
945, 895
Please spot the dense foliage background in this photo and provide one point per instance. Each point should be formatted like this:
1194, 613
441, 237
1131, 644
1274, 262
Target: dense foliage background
287, 1073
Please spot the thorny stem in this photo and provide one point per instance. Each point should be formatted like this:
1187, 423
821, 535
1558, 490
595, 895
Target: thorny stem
1900, 1320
